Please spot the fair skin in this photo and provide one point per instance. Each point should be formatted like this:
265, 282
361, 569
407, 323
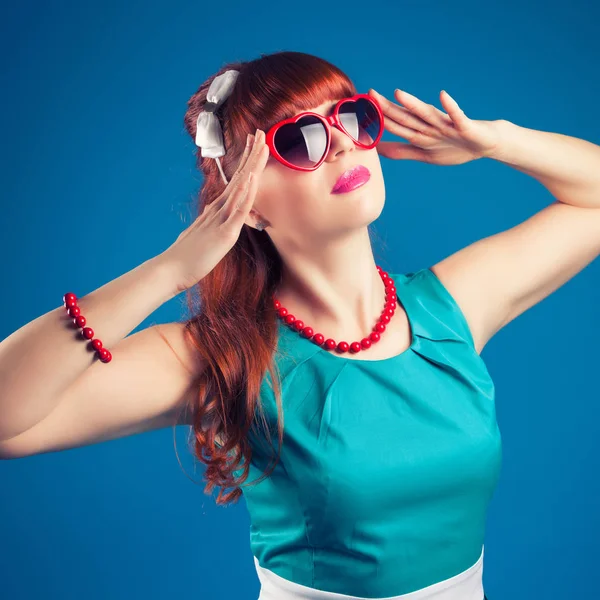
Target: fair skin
497, 278
493, 280
330, 280
330, 277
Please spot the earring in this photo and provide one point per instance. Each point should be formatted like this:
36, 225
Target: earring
260, 225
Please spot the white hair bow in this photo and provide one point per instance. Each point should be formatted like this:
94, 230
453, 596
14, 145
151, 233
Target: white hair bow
209, 134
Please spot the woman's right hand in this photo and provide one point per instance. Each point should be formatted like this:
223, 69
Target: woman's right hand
200, 247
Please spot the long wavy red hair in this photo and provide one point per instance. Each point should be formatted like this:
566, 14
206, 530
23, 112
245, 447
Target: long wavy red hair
234, 324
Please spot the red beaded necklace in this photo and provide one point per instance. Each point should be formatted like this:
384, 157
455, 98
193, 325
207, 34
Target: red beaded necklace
330, 344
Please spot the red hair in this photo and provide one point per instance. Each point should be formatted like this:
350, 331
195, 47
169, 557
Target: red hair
236, 329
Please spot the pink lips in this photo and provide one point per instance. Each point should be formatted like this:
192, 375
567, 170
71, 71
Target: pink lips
351, 179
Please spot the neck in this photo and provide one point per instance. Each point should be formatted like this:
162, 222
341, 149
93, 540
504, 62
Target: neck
337, 291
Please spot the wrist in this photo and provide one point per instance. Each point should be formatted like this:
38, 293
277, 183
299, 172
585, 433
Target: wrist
166, 276
503, 128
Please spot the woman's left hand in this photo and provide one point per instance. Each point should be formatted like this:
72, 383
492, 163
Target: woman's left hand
436, 137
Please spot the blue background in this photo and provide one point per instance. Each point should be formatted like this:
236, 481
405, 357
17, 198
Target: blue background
98, 176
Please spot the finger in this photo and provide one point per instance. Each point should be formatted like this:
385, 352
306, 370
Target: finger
257, 150
402, 116
453, 109
417, 138
427, 112
254, 167
249, 155
250, 143
243, 206
399, 151
236, 210
252, 147
399, 130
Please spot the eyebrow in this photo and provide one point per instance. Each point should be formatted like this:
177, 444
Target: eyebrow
328, 111
330, 107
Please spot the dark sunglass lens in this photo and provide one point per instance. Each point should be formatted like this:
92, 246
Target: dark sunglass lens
361, 120
302, 143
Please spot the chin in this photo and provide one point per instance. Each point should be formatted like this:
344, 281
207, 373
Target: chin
364, 212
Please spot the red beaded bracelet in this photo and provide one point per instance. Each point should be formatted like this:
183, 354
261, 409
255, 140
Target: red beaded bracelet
70, 304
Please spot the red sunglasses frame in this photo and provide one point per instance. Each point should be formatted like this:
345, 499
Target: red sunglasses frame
328, 122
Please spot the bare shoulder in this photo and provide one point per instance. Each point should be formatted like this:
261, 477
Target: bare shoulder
462, 284
177, 337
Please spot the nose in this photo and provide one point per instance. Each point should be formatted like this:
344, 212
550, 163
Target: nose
340, 142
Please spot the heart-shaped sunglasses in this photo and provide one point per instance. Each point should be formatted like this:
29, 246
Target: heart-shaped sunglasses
302, 142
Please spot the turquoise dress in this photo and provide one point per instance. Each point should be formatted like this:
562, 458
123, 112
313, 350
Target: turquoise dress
387, 466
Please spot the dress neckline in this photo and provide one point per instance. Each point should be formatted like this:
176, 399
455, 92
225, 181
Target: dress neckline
398, 281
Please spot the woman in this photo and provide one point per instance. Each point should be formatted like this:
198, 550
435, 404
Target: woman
378, 484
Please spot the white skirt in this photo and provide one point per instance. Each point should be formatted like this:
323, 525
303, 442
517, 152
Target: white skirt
467, 585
